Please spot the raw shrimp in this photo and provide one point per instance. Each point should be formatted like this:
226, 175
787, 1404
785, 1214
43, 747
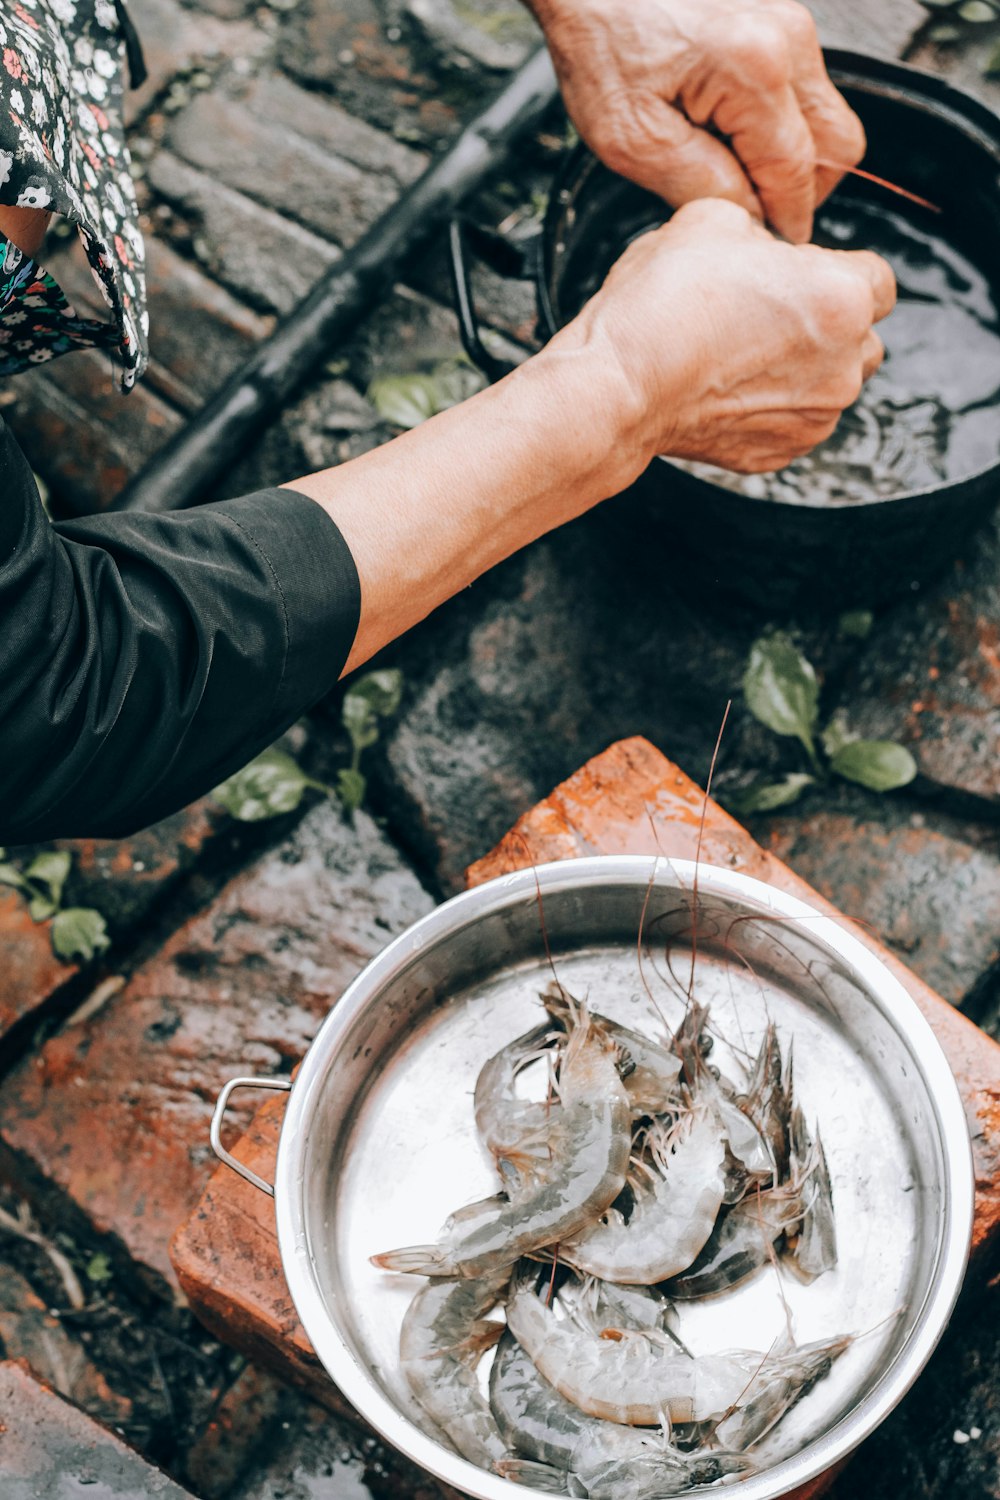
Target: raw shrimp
590, 1138
565, 1449
768, 1100
597, 1305
741, 1242
651, 1084
629, 1378
444, 1334
813, 1249
675, 1204
776, 1389
748, 1157
514, 1131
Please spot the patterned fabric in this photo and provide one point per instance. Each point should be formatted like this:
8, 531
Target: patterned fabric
62, 148
36, 321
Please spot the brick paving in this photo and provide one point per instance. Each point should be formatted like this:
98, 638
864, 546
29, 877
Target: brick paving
265, 140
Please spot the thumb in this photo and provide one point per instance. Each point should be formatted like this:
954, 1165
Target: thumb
664, 152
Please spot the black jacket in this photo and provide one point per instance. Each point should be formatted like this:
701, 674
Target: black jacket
144, 658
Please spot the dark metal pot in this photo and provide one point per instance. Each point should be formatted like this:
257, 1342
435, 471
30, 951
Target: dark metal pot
773, 554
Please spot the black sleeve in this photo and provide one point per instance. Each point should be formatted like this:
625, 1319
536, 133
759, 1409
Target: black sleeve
144, 658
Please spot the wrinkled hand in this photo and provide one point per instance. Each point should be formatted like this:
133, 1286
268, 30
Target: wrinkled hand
734, 347
644, 79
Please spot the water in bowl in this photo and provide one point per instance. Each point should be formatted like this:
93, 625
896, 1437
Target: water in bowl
931, 414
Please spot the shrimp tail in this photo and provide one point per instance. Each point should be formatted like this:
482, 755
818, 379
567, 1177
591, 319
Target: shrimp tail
539, 1476
415, 1260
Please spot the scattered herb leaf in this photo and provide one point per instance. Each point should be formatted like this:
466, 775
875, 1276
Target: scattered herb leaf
880, 765
856, 623
98, 1268
79, 933
782, 691
271, 784
408, 400
767, 796
351, 788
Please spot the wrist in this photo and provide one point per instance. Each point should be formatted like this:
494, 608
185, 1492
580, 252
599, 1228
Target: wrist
596, 409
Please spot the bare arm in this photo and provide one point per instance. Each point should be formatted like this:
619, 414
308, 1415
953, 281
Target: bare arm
710, 339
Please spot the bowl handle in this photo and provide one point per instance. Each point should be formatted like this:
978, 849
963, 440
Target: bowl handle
215, 1133
507, 259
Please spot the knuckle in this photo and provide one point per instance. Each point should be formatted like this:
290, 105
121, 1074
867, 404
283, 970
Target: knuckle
759, 46
799, 24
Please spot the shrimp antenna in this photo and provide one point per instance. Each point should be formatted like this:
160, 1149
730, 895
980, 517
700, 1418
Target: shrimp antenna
697, 851
517, 834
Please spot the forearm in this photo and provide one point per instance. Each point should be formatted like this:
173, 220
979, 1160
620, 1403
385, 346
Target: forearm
427, 514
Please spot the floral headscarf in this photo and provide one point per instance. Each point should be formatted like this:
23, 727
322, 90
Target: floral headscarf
62, 148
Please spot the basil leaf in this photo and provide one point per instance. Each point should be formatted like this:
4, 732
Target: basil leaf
381, 690
856, 623
453, 381
98, 1268
11, 875
360, 722
404, 400
50, 870
351, 787
79, 932
767, 796
837, 734
880, 765
271, 784
781, 690
41, 908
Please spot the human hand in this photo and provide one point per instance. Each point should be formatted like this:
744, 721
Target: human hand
731, 346
651, 84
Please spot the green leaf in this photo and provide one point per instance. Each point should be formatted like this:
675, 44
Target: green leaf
41, 908
372, 697
50, 871
781, 689
381, 690
837, 734
992, 68
271, 784
98, 1268
453, 381
404, 400
977, 11
880, 765
79, 932
11, 875
360, 722
856, 623
767, 796
351, 788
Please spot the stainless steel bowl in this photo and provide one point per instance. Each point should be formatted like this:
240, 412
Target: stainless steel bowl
378, 1142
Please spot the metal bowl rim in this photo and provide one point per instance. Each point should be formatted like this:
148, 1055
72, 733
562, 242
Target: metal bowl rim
359, 1386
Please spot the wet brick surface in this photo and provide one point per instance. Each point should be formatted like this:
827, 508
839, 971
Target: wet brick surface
50, 1450
109, 1119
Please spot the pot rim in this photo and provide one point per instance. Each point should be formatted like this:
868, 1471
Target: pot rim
357, 1382
868, 74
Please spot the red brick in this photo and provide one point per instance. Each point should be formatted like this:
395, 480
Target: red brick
930, 890
31, 972
198, 332
108, 1123
51, 1451
176, 39
81, 432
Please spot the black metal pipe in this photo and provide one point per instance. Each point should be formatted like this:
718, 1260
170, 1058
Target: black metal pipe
191, 464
